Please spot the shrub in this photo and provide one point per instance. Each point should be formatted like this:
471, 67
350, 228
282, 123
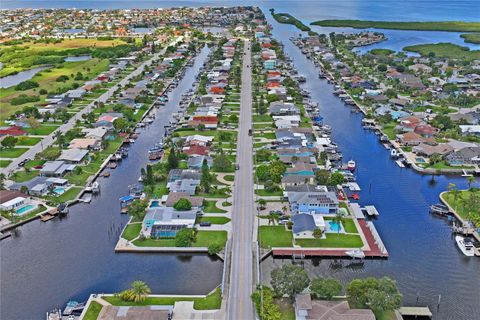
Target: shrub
23, 98
214, 248
25, 85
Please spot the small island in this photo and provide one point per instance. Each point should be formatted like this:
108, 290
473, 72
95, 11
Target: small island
458, 26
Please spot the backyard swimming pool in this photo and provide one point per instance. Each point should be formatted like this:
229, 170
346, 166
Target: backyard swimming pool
334, 227
59, 190
23, 210
155, 204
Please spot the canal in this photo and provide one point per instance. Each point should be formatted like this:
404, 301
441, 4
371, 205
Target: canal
423, 258
46, 264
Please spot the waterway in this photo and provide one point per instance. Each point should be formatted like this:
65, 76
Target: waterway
423, 258
45, 264
15, 79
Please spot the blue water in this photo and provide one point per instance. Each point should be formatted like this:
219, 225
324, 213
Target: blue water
334, 227
155, 204
423, 256
22, 210
59, 190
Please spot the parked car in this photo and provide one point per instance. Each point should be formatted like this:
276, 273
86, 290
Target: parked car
205, 224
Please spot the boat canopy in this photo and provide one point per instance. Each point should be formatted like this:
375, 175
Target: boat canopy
126, 198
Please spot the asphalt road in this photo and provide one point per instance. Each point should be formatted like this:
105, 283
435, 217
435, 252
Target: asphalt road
239, 305
49, 140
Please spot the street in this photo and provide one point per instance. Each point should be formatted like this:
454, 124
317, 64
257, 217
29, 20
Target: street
239, 304
49, 140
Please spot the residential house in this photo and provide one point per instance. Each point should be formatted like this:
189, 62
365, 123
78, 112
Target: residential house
464, 156
184, 185
166, 221
306, 308
173, 197
319, 202
73, 155
56, 168
305, 224
178, 174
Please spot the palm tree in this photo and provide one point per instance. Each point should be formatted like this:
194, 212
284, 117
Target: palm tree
140, 291
3, 177
453, 188
338, 219
470, 181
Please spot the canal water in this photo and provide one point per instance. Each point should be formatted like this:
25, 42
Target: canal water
423, 258
14, 79
46, 264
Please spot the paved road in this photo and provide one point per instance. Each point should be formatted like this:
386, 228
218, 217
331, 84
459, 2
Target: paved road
239, 305
48, 140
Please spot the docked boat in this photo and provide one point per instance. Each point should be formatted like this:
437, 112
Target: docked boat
55, 314
73, 307
394, 153
465, 245
355, 253
351, 165
439, 209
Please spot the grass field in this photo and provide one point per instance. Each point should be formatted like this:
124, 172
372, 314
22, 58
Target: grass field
275, 236
332, 240
28, 141
42, 130
203, 239
459, 26
210, 207
459, 205
445, 50
4, 163
131, 231
12, 152
93, 311
210, 302
215, 220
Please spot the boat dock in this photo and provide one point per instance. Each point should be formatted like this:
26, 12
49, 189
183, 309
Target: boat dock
372, 211
415, 312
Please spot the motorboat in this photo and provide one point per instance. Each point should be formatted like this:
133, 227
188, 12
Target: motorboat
355, 253
73, 307
55, 314
465, 245
351, 165
393, 153
439, 209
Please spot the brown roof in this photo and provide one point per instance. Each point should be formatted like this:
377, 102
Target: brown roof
337, 310
173, 197
7, 195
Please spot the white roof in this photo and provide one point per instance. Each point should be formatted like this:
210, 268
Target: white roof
319, 221
13, 201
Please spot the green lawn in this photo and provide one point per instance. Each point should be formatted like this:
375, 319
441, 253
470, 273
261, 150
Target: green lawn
459, 204
42, 130
28, 215
229, 177
12, 152
33, 163
93, 311
22, 176
28, 141
459, 26
215, 220
442, 165
265, 193
275, 236
68, 195
211, 302
210, 207
262, 118
170, 242
131, 231
385, 315
205, 238
4, 163
348, 224
333, 240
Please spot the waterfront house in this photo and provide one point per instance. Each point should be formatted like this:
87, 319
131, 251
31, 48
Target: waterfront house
467, 130
196, 161
56, 168
95, 133
414, 139
280, 108
464, 156
295, 179
305, 224
178, 174
301, 168
166, 221
270, 64
173, 197
84, 143
426, 130
318, 202
195, 150
198, 140
73, 155
306, 308
427, 150
40, 186
15, 200
184, 185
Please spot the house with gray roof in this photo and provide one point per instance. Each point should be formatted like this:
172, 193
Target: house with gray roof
56, 168
323, 202
464, 156
73, 155
305, 224
196, 161
178, 174
166, 221
184, 185
280, 108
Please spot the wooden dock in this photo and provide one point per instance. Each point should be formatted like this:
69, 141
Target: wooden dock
49, 215
415, 312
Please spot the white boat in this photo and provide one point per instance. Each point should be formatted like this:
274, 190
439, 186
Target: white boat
351, 165
355, 253
393, 153
54, 315
465, 245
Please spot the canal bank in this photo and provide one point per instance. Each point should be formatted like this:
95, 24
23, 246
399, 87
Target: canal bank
423, 256
48, 264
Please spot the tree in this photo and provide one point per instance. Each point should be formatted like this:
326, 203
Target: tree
2, 181
120, 124
205, 178
289, 280
325, 288
435, 158
9, 142
172, 159
338, 219
222, 163
336, 178
317, 233
184, 237
322, 177
262, 203
382, 68
470, 181
377, 294
183, 204
264, 304
59, 138
214, 248
138, 292
452, 187
137, 209
33, 123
